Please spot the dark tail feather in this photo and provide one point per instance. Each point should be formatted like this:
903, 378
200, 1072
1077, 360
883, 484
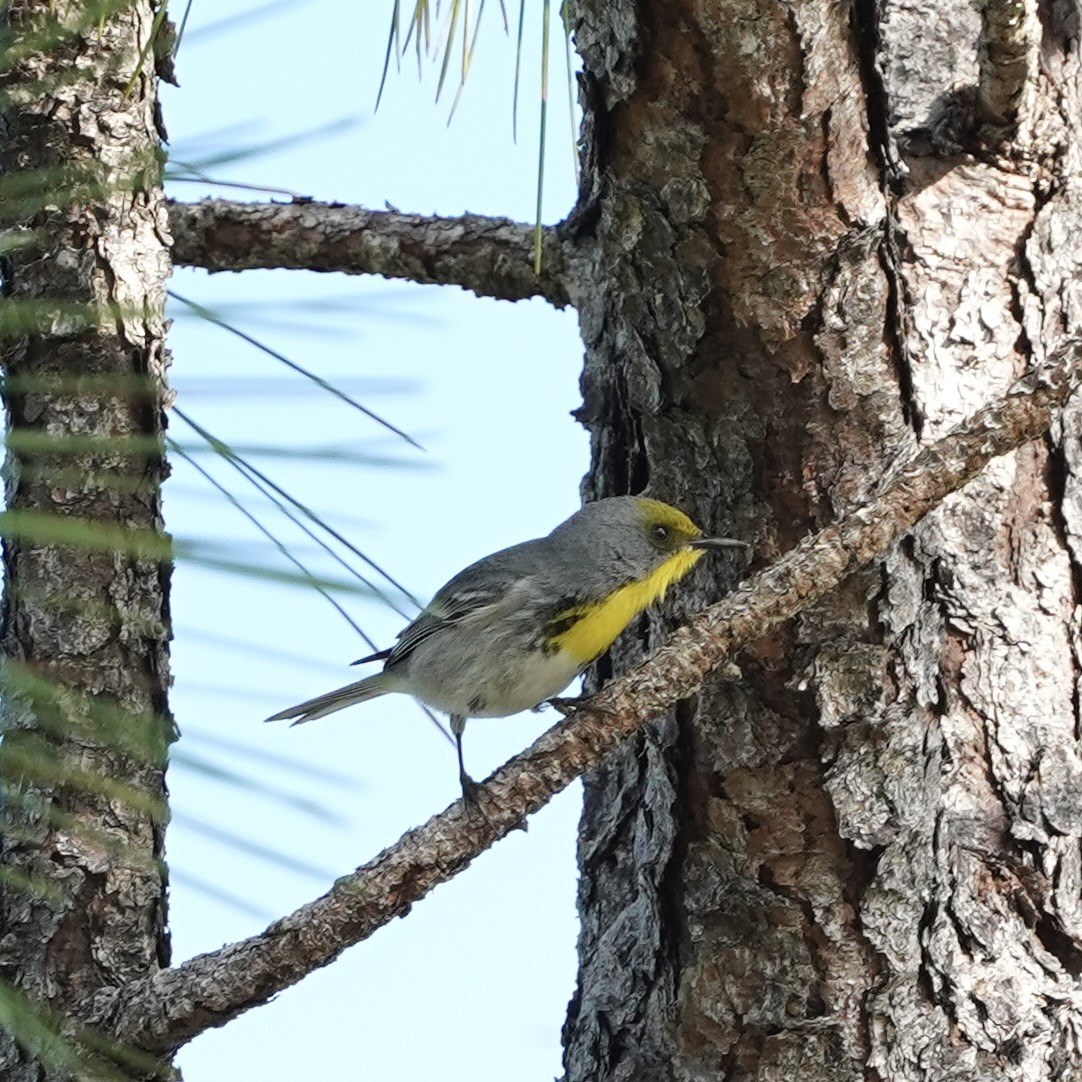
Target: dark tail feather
379, 655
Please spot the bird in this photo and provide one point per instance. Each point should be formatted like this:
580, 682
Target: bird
513, 630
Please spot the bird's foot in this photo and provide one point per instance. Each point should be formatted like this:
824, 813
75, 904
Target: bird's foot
471, 790
570, 707
471, 798
563, 706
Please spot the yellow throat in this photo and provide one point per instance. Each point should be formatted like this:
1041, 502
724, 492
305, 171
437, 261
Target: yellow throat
596, 626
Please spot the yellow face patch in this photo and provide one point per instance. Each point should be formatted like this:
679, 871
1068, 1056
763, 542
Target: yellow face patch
596, 627
676, 522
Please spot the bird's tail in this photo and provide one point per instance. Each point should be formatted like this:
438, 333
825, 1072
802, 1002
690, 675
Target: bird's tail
369, 688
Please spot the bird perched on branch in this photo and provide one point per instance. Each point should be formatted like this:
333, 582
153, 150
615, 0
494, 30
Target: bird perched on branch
511, 631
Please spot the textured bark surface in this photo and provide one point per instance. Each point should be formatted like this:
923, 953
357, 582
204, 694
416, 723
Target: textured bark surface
84, 628
493, 257
821, 235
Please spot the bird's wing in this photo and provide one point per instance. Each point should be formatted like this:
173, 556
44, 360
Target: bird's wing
481, 586
441, 613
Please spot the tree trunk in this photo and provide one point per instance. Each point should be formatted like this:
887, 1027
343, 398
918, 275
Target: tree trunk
85, 624
814, 236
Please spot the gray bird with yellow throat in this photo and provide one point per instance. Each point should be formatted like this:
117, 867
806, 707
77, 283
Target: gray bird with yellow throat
512, 630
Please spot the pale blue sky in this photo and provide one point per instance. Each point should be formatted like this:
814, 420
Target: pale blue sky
474, 983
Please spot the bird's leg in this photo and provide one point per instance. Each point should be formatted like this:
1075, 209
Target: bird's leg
470, 788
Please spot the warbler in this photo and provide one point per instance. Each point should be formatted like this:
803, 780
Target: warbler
512, 630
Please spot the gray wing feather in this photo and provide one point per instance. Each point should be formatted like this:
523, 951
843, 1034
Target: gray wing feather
480, 586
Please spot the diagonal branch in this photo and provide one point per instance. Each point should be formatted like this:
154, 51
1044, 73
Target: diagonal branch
491, 256
163, 1012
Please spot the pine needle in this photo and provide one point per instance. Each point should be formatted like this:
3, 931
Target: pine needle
240, 463
541, 138
210, 317
518, 70
392, 48
155, 26
565, 19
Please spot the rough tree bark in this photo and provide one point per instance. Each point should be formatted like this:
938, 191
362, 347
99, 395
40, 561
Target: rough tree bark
84, 628
824, 232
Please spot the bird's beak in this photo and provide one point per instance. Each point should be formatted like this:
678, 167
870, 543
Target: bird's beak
717, 543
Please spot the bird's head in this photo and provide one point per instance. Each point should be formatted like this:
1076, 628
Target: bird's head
634, 538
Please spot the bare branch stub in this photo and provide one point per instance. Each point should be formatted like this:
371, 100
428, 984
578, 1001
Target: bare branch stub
493, 257
161, 1013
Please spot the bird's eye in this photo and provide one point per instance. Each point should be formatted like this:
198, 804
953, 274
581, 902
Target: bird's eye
661, 533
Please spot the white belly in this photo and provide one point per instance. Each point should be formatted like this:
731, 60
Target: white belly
487, 687
542, 679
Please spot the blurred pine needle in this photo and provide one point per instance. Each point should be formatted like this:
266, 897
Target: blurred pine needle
458, 35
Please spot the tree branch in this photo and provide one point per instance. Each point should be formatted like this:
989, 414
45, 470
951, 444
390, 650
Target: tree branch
163, 1012
491, 256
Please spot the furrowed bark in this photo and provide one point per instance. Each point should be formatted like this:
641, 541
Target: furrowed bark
735, 366
492, 257
84, 632
171, 1007
822, 234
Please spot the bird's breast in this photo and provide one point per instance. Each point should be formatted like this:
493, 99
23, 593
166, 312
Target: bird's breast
587, 630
